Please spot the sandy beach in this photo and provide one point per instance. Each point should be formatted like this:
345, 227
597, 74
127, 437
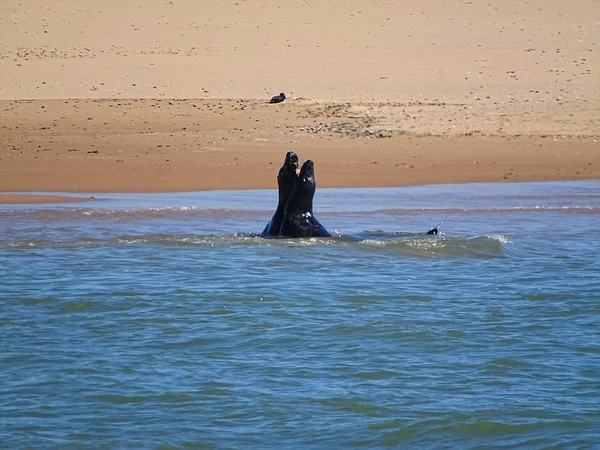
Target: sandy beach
171, 96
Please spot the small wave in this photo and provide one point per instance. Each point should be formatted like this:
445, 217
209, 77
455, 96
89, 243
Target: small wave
165, 239
497, 237
405, 243
118, 399
489, 428
353, 406
60, 214
471, 210
393, 234
183, 212
72, 307
485, 246
509, 363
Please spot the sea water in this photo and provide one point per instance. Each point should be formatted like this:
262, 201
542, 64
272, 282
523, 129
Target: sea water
164, 321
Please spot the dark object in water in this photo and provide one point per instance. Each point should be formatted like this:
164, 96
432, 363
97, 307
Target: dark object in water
285, 183
435, 230
298, 218
278, 98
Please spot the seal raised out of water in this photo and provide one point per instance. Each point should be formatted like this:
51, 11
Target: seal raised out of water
278, 98
298, 218
285, 182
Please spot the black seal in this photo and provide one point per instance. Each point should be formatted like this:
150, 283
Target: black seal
286, 179
278, 98
298, 218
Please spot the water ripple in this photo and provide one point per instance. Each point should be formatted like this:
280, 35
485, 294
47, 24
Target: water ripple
169, 328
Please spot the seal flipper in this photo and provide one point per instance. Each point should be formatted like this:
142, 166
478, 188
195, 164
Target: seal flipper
435, 230
266, 230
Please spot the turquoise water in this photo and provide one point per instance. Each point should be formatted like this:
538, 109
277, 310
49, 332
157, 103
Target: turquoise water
163, 321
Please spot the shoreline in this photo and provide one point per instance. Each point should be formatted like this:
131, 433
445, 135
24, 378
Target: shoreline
24, 198
37, 199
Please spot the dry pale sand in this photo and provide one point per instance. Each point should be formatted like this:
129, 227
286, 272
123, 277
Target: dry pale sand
126, 96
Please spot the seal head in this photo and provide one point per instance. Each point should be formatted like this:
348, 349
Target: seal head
298, 218
286, 179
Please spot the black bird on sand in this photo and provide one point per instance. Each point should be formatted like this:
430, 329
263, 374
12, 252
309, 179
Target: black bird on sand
278, 98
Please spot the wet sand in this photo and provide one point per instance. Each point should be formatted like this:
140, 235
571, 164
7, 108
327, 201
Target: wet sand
19, 199
165, 97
